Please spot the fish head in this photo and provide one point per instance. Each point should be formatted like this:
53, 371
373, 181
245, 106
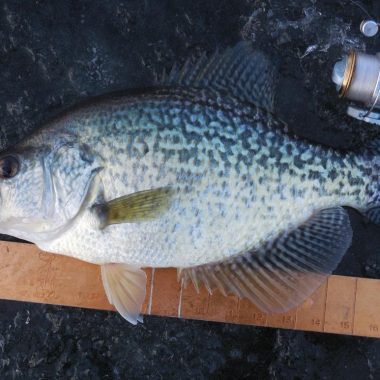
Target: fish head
44, 184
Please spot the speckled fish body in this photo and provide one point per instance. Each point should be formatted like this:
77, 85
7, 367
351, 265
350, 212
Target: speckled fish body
238, 177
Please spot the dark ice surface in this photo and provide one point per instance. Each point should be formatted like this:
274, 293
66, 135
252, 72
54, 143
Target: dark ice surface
54, 53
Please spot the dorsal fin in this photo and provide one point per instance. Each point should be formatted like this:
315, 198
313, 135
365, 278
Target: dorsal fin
238, 71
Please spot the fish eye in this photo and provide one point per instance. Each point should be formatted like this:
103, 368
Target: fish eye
9, 167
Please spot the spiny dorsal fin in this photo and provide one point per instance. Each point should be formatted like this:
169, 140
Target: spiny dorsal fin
285, 271
239, 71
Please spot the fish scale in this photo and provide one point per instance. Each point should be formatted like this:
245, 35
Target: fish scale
235, 180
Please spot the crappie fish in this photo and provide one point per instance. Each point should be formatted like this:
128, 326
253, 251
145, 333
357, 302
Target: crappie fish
197, 174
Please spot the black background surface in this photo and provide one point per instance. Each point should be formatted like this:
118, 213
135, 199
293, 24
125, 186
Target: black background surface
54, 53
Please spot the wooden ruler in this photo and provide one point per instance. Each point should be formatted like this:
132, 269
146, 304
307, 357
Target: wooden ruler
344, 305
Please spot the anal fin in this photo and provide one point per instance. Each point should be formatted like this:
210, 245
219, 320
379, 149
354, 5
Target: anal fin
285, 271
125, 288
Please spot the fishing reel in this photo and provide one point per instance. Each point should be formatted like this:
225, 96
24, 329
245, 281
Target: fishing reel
357, 77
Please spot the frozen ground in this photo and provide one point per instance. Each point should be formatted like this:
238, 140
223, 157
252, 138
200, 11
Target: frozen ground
54, 53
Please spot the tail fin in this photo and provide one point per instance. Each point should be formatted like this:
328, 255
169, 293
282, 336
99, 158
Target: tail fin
373, 214
372, 157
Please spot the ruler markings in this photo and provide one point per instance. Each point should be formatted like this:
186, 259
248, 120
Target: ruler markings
325, 306
339, 305
367, 310
354, 306
310, 315
251, 314
282, 320
344, 305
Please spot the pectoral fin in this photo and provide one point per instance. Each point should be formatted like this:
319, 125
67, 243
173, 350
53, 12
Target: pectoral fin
285, 271
138, 207
125, 288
